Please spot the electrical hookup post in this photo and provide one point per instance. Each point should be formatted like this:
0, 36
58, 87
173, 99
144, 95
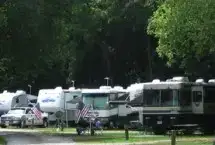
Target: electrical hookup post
126, 126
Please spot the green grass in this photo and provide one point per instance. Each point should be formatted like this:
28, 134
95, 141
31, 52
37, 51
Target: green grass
119, 137
108, 138
2, 140
189, 143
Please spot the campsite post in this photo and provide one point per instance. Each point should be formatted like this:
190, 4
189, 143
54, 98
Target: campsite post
126, 132
173, 137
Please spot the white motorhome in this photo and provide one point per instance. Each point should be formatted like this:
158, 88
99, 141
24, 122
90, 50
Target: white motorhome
99, 99
9, 100
58, 99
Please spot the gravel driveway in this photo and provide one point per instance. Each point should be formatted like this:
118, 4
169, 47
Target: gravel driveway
33, 138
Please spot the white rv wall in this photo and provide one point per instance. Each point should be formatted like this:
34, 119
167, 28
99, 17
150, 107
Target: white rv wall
51, 100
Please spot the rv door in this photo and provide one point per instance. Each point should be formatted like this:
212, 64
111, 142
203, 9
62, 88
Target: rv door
197, 99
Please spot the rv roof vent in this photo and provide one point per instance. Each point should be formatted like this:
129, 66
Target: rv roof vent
211, 81
71, 88
156, 81
20, 92
58, 88
200, 81
5, 91
105, 87
180, 79
118, 87
169, 80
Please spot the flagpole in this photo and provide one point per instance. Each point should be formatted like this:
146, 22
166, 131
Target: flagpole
91, 131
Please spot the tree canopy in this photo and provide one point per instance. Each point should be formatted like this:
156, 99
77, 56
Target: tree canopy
185, 32
50, 43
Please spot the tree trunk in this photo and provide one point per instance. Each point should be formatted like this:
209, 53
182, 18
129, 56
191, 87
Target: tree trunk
149, 68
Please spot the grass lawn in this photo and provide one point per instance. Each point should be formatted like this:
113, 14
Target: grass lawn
119, 137
108, 138
2, 140
188, 143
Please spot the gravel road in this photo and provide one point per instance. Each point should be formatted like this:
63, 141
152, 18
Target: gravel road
32, 138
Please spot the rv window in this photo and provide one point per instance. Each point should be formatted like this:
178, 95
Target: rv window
151, 97
209, 95
99, 101
185, 97
75, 96
167, 97
197, 96
113, 97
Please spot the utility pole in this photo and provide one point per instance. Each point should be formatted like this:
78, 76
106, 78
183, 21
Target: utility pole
29, 88
73, 83
107, 80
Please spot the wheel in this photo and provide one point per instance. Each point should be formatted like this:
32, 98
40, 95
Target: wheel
208, 131
159, 131
45, 123
22, 124
3, 126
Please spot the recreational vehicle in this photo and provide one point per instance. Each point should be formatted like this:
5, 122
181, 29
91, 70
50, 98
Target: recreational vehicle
178, 103
9, 100
59, 100
99, 99
128, 106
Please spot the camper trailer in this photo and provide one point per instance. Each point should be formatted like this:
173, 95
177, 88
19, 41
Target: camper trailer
59, 100
9, 100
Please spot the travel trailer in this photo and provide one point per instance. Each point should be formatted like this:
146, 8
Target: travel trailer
9, 100
59, 100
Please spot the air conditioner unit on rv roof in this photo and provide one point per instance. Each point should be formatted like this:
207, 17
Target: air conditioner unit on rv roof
20, 92
156, 81
180, 79
200, 81
105, 87
211, 81
71, 88
59, 88
118, 87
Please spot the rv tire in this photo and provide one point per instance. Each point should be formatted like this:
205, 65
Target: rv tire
3, 126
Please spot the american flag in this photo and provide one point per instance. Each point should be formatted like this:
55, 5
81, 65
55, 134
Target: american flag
37, 111
82, 112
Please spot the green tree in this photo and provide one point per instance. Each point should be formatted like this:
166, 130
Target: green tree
185, 30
